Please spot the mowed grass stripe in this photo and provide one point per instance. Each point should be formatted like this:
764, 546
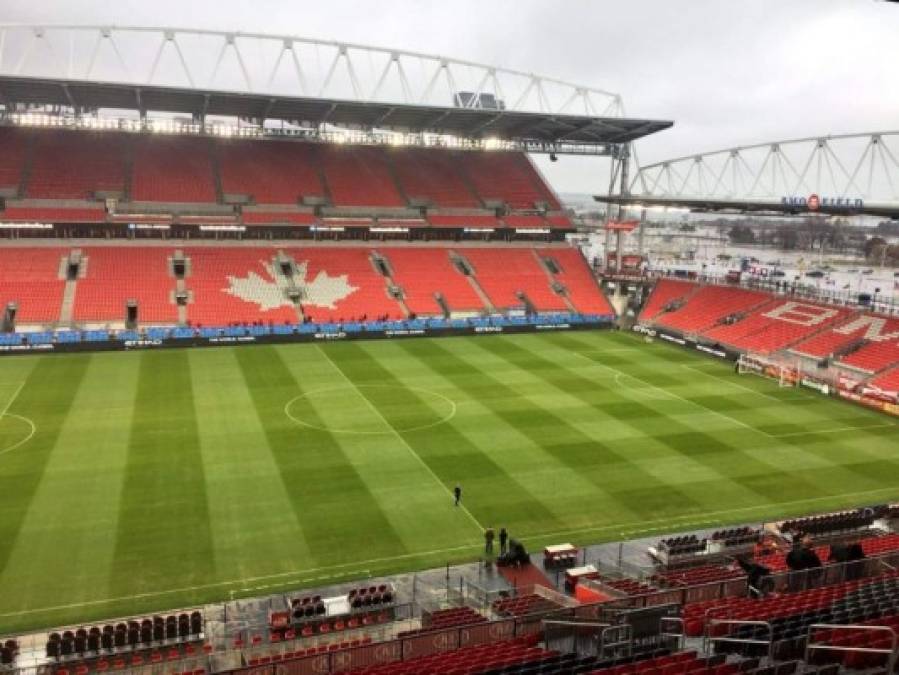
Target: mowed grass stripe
255, 530
548, 430
163, 535
686, 466
564, 492
46, 399
76, 506
339, 516
751, 456
401, 481
489, 491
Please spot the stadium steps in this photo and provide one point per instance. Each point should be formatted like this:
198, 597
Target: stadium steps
378, 260
128, 156
461, 263
391, 170
666, 291
216, 166
27, 165
68, 302
557, 286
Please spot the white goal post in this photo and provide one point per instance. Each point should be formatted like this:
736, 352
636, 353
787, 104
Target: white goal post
787, 375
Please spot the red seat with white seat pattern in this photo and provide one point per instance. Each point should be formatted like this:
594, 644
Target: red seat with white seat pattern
777, 325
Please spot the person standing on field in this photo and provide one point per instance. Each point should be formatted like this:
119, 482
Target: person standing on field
457, 493
503, 539
488, 540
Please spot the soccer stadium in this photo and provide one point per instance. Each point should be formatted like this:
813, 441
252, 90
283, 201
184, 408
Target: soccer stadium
308, 367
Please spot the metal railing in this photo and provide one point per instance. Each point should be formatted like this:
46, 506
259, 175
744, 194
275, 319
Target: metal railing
812, 646
710, 640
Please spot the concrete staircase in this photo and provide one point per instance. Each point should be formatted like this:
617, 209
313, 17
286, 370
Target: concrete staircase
468, 271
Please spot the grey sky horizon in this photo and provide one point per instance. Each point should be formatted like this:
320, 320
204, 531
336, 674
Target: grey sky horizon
726, 72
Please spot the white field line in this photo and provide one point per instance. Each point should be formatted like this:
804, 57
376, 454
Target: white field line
733, 384
14, 397
30, 435
399, 436
301, 576
671, 394
5, 413
704, 518
781, 400
287, 577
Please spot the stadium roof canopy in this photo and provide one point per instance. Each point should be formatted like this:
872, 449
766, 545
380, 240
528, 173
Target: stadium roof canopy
528, 127
307, 81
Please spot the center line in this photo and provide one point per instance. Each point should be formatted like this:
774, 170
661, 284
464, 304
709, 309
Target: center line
397, 434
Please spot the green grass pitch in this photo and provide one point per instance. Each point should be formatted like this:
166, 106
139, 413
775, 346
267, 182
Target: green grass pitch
134, 482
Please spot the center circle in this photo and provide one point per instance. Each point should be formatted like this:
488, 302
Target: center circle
15, 431
357, 409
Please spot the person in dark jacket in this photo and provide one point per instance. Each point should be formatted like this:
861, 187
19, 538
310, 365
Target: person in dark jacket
800, 560
457, 493
758, 577
488, 540
503, 540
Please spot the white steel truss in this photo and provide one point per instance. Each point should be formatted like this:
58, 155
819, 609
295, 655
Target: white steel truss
286, 66
849, 166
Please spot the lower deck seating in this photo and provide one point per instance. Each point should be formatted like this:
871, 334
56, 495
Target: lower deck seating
664, 294
865, 328
874, 356
889, 381
422, 273
581, 286
116, 275
236, 285
30, 277
522, 605
504, 273
478, 659
777, 325
342, 284
709, 305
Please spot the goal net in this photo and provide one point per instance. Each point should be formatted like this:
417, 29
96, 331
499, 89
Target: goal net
787, 375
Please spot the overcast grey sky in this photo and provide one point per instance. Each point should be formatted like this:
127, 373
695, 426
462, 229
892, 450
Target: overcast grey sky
727, 72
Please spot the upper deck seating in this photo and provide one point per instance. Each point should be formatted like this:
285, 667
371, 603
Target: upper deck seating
507, 176
433, 176
53, 214
709, 304
172, 169
423, 272
12, 159
582, 287
777, 325
30, 277
272, 172
502, 273
116, 275
77, 165
663, 293
359, 176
